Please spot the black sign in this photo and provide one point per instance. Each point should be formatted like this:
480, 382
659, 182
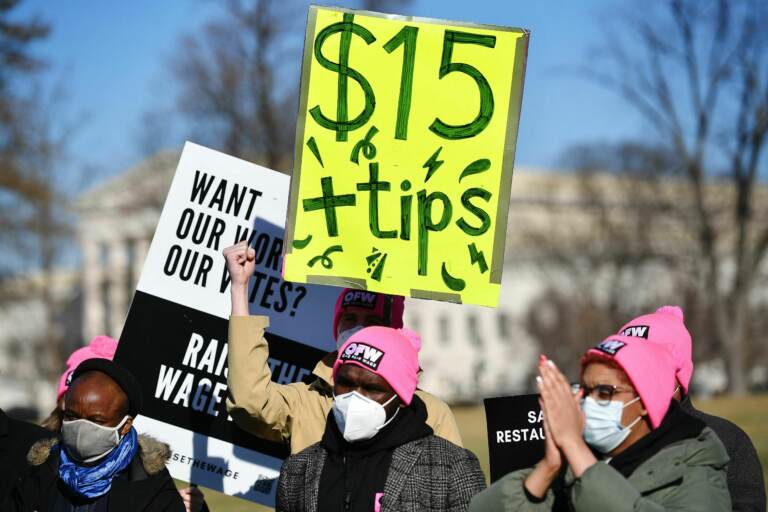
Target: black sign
179, 355
515, 433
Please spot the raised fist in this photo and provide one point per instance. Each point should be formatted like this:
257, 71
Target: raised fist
241, 262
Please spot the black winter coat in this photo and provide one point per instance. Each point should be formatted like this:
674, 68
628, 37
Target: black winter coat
145, 486
745, 474
16, 437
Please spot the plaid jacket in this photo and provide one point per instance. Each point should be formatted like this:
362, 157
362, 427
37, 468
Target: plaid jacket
428, 474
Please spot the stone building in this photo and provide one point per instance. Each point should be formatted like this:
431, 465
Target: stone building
24, 349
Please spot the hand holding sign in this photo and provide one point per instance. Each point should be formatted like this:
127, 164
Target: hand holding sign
193, 498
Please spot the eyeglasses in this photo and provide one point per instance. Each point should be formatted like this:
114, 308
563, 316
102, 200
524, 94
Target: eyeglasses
601, 393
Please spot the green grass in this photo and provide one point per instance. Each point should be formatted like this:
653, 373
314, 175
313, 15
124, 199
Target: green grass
218, 502
749, 413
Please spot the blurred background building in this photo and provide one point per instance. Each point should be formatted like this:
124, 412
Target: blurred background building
560, 282
115, 224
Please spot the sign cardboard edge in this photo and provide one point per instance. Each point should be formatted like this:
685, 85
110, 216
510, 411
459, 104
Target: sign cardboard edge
420, 19
293, 194
507, 164
341, 281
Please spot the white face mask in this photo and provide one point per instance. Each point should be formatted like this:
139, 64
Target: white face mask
86, 441
345, 335
603, 430
359, 418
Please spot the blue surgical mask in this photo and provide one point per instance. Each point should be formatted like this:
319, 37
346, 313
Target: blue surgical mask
603, 430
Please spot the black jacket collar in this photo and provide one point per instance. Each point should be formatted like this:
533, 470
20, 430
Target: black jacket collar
676, 426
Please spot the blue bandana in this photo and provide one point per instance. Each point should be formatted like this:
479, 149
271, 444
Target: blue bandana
95, 481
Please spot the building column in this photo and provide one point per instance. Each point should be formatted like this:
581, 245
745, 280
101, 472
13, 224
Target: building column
92, 275
142, 248
117, 265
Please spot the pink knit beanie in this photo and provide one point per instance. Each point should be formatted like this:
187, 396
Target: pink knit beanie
649, 367
101, 347
665, 327
393, 354
388, 307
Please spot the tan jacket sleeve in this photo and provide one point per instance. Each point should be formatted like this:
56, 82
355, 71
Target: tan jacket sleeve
255, 403
440, 418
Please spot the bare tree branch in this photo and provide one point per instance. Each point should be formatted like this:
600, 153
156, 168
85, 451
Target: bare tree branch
701, 83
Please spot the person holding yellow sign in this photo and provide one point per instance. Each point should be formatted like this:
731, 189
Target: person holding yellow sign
296, 413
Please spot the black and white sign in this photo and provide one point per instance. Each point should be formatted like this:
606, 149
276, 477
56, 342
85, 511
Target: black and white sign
175, 336
515, 433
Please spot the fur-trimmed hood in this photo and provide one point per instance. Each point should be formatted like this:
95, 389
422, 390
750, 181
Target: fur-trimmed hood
154, 454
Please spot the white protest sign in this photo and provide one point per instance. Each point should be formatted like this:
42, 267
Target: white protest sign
175, 336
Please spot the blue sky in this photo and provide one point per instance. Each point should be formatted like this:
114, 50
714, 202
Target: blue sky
112, 59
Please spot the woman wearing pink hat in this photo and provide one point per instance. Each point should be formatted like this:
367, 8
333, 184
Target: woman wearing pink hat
620, 444
666, 327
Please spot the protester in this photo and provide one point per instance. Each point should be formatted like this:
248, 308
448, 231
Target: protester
104, 347
745, 474
296, 413
377, 452
620, 444
98, 462
16, 437
100, 346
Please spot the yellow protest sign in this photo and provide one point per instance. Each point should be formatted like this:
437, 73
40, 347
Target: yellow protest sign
404, 153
